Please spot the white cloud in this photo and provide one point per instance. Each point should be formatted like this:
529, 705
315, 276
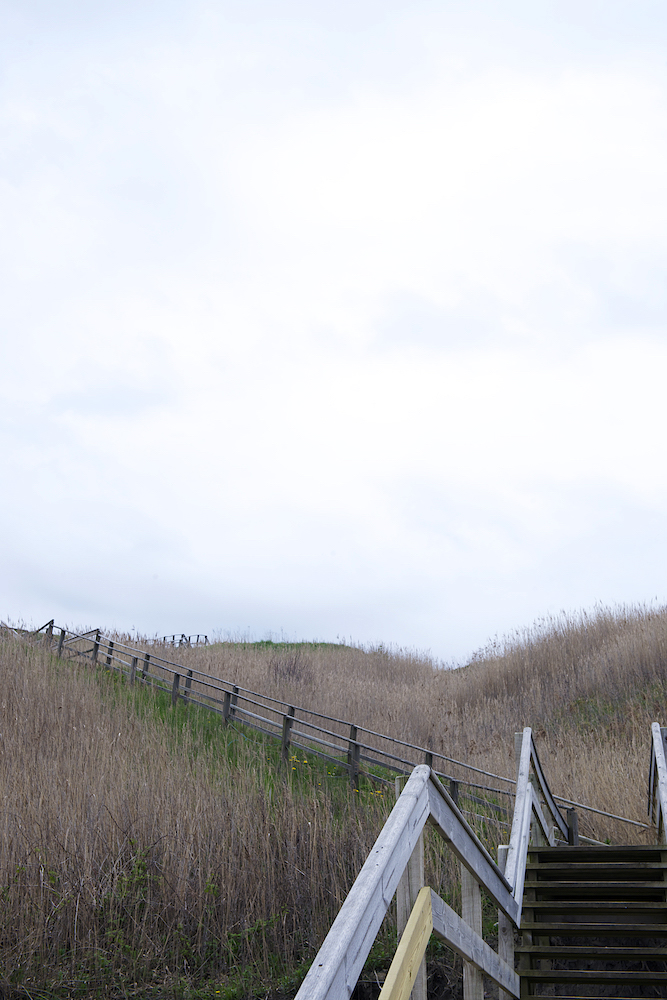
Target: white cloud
334, 357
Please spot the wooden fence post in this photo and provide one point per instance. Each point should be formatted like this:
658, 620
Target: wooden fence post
471, 911
188, 685
411, 882
505, 928
572, 828
60, 642
109, 652
174, 689
229, 705
353, 754
133, 670
96, 646
428, 758
288, 722
144, 668
454, 790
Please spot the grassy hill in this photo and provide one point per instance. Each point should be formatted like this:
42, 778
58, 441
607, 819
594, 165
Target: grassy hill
147, 851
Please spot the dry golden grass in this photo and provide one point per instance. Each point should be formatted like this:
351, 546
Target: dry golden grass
125, 849
589, 685
133, 849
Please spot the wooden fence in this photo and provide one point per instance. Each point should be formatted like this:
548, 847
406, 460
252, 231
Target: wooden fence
177, 640
362, 752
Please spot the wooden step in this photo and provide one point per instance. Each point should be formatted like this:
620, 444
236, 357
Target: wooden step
603, 913
598, 866
625, 953
600, 889
597, 911
594, 930
633, 852
591, 976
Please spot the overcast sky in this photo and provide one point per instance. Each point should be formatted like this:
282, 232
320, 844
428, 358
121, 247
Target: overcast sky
332, 320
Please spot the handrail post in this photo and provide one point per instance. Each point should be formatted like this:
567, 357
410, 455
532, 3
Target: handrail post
110, 645
61, 640
572, 828
288, 722
96, 646
471, 912
188, 686
174, 689
412, 880
133, 670
505, 928
658, 785
454, 790
144, 669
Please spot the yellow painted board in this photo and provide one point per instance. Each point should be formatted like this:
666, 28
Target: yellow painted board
405, 965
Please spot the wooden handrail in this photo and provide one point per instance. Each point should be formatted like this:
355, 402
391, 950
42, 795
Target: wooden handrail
339, 961
533, 798
657, 782
338, 964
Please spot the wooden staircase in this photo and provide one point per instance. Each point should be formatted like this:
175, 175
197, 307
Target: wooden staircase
594, 922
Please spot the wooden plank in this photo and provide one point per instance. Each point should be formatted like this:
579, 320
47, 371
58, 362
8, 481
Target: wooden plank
409, 956
546, 791
409, 887
448, 926
517, 852
448, 819
471, 913
518, 833
505, 928
338, 964
547, 830
659, 813
415, 873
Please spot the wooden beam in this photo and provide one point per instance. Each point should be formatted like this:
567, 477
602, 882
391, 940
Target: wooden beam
409, 955
411, 884
659, 813
471, 912
505, 929
338, 964
449, 821
448, 926
546, 791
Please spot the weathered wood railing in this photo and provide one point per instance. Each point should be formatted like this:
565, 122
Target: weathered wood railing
657, 781
303, 730
395, 865
349, 746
